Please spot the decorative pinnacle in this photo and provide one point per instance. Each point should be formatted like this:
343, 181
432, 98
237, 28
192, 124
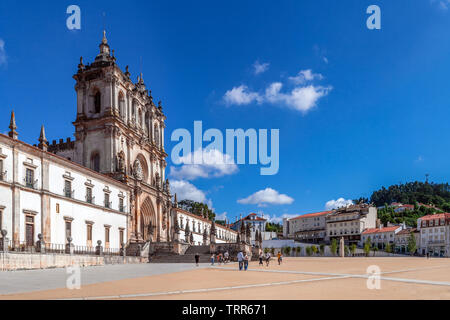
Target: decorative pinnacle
12, 125
42, 138
104, 40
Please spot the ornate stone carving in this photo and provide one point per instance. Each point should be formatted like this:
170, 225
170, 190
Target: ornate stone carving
121, 162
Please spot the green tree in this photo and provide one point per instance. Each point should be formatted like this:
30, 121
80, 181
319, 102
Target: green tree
266, 250
272, 250
322, 249
353, 249
308, 251
388, 248
374, 249
333, 246
367, 246
314, 250
298, 250
412, 246
288, 251
346, 251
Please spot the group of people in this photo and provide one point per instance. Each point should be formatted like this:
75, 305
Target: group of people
267, 258
242, 258
219, 257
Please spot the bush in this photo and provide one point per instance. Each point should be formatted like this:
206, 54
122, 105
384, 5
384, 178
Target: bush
308, 251
333, 246
322, 249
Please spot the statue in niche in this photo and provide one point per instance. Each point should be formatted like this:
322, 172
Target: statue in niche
121, 162
157, 181
137, 170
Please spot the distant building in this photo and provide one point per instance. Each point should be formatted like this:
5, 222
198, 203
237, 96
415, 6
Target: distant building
309, 227
256, 223
350, 222
381, 236
401, 239
434, 234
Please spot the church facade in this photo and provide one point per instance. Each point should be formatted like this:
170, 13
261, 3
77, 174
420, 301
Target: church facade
109, 183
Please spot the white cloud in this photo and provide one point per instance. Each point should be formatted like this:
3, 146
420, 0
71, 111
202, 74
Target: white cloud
2, 52
187, 191
241, 96
301, 98
304, 76
336, 204
221, 216
266, 197
279, 219
442, 4
325, 59
260, 67
213, 164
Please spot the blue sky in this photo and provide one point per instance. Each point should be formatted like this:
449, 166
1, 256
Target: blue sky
376, 113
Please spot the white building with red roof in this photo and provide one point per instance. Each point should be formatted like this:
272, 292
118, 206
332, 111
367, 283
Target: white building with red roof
381, 236
309, 227
434, 234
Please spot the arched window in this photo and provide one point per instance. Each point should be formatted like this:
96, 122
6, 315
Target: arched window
95, 162
97, 102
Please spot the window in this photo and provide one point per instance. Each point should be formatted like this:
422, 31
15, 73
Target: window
89, 235
121, 237
68, 229
97, 102
121, 207
95, 162
68, 188
2, 174
29, 178
57, 208
107, 202
107, 237
89, 195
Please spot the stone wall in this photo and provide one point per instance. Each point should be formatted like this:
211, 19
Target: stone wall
27, 261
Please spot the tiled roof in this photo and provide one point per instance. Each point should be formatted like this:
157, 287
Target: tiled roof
309, 215
381, 230
435, 216
407, 231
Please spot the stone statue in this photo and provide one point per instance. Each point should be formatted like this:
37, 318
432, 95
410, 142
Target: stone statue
157, 181
137, 170
121, 162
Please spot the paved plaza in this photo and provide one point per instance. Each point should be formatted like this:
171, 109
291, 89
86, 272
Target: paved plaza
296, 278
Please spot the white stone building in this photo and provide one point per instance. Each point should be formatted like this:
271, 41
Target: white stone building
349, 222
197, 225
307, 228
42, 193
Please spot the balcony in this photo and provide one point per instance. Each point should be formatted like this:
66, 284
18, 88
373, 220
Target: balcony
30, 183
69, 193
90, 199
108, 204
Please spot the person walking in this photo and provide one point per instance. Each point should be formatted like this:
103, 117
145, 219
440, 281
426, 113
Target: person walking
267, 259
240, 258
212, 259
226, 256
245, 261
261, 258
197, 259
280, 258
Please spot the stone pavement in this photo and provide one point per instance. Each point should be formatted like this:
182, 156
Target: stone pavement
47, 279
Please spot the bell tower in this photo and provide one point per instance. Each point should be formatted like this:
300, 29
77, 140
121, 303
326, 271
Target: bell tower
120, 132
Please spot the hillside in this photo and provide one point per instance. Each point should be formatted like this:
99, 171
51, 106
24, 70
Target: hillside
435, 195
